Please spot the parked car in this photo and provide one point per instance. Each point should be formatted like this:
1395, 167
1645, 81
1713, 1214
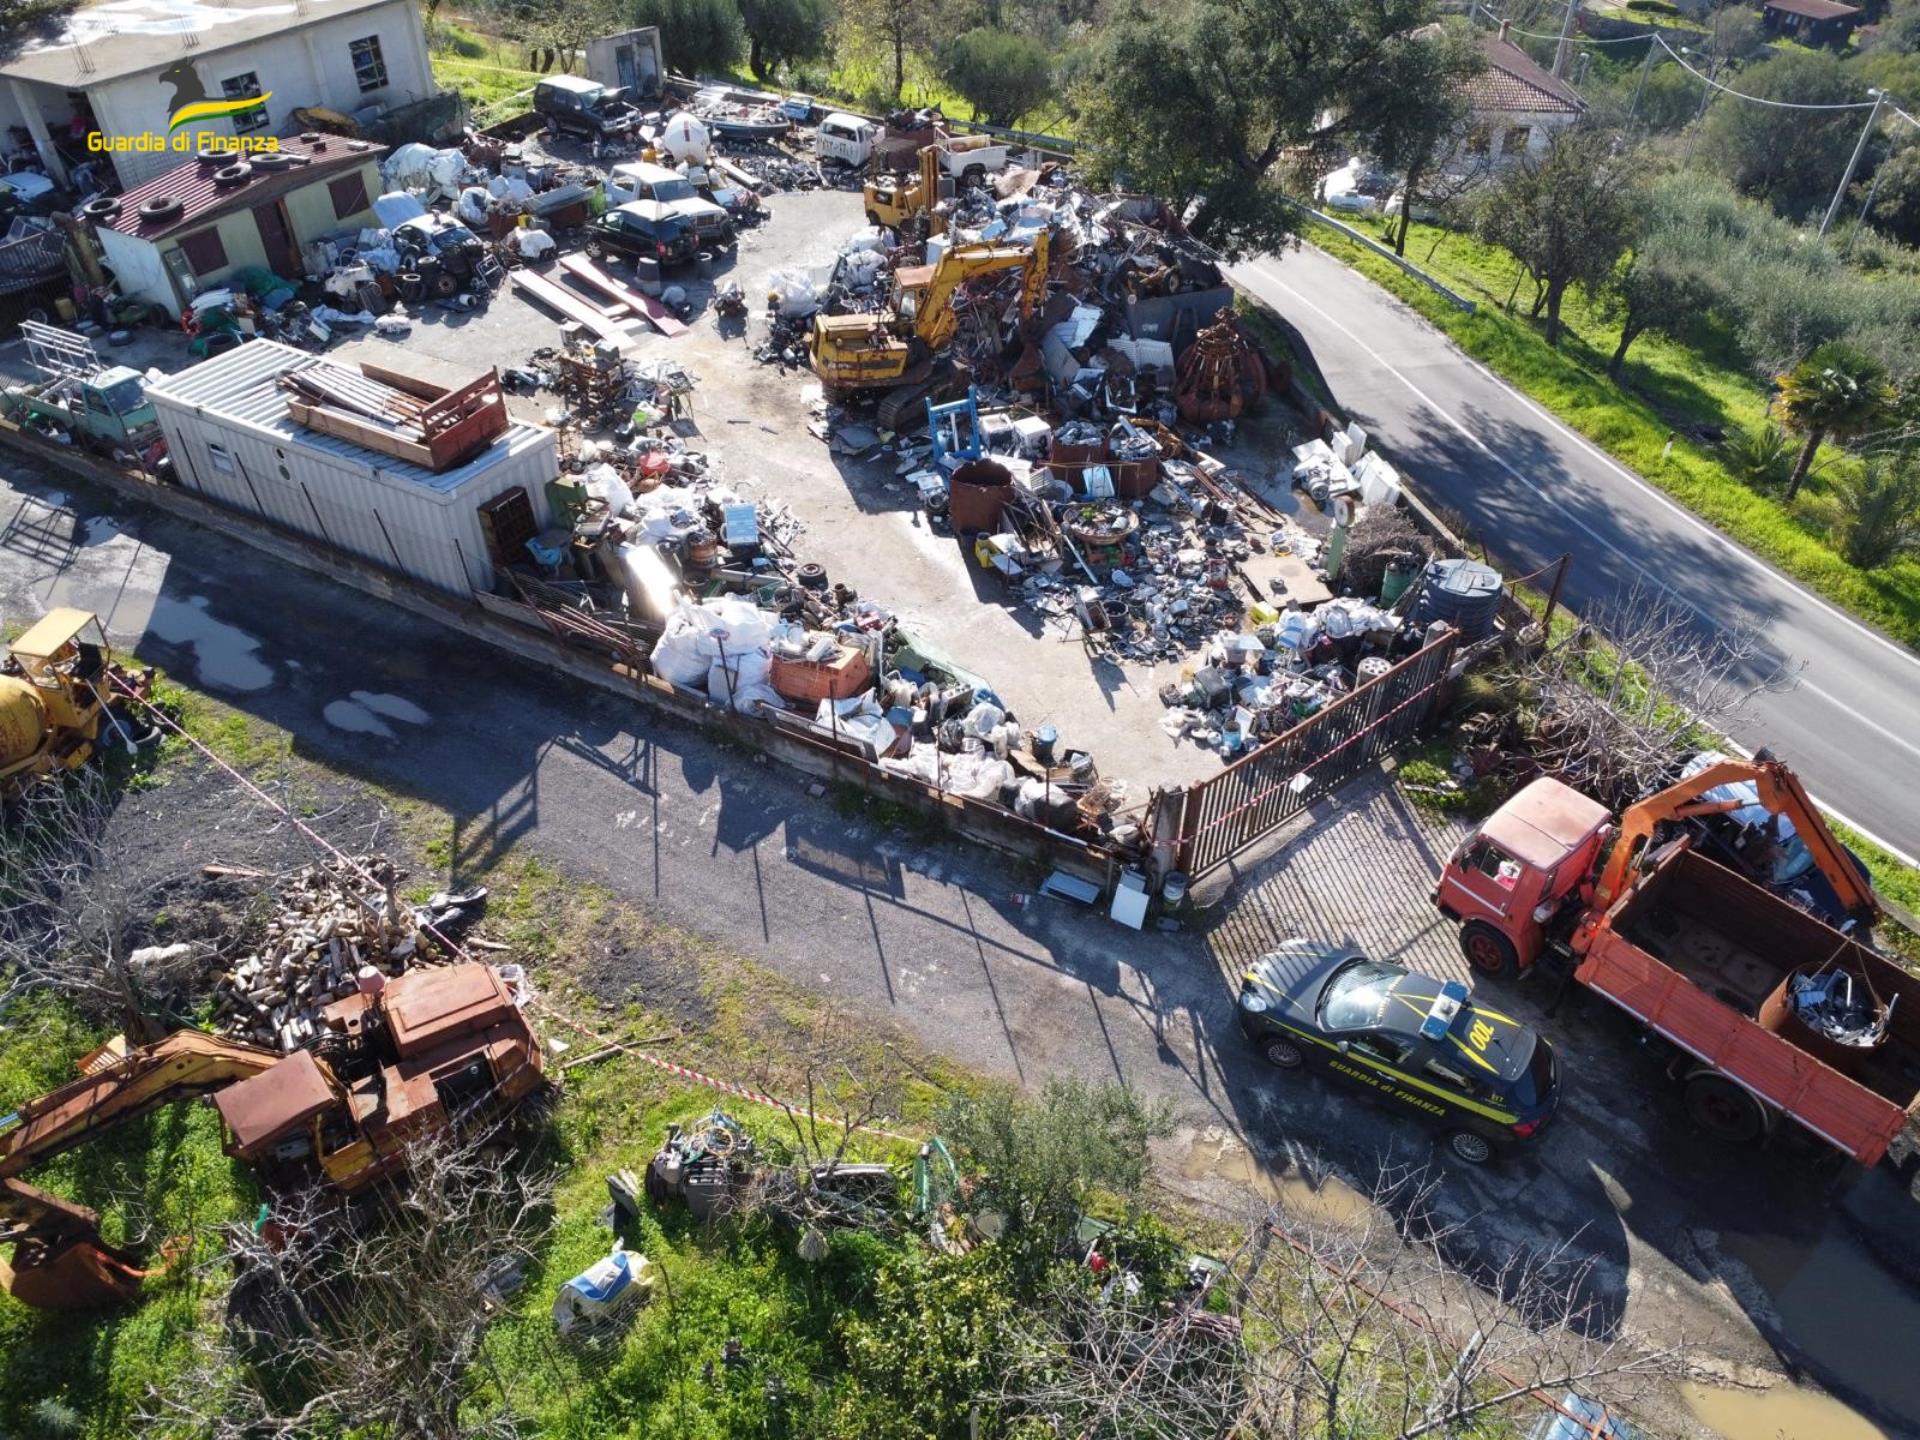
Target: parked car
642, 228
584, 109
799, 108
638, 180
1419, 1044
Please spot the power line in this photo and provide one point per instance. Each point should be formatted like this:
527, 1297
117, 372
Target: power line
1708, 80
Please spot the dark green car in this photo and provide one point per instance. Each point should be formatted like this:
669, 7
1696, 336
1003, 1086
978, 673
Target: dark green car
1418, 1044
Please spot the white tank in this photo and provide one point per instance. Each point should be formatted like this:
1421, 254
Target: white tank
686, 140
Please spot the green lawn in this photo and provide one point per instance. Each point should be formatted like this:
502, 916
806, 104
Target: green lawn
1669, 387
486, 69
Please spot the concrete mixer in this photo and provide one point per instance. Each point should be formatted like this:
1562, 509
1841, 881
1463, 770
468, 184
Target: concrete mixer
55, 691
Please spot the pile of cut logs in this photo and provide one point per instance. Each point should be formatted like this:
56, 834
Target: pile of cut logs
333, 930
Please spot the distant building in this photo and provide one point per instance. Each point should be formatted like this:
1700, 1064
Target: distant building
1515, 104
125, 68
189, 228
1811, 22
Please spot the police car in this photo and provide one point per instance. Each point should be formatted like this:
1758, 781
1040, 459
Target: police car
1416, 1043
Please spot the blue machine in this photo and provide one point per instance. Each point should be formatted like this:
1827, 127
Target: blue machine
955, 429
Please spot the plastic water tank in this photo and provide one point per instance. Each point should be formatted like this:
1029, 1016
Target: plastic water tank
1464, 593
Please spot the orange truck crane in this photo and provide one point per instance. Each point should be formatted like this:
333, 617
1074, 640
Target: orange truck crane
430, 1050
1773, 1014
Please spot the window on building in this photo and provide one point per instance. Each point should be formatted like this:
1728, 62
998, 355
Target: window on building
204, 252
238, 88
1479, 140
1514, 142
369, 66
218, 457
349, 194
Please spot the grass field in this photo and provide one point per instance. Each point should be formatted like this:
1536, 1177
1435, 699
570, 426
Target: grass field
1669, 387
489, 71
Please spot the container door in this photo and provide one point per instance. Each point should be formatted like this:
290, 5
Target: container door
624, 67
276, 237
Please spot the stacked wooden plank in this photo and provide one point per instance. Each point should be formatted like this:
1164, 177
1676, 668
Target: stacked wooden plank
433, 426
661, 318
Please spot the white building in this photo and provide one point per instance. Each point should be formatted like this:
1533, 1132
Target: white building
232, 438
123, 67
1515, 104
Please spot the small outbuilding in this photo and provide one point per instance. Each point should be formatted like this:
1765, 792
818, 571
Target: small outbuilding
189, 229
390, 469
1811, 22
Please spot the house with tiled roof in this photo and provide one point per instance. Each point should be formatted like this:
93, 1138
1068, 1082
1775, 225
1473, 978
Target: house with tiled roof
1515, 104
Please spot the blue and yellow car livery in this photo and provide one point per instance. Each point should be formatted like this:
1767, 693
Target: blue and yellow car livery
1413, 1041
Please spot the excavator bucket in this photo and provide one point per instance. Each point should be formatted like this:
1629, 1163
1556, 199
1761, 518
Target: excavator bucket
80, 1275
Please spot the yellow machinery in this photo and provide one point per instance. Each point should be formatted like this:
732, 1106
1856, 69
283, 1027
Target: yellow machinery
900, 349
898, 202
54, 693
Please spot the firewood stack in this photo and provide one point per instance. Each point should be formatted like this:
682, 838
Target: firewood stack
333, 932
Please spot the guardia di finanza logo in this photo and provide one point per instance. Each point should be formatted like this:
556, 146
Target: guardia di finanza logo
193, 106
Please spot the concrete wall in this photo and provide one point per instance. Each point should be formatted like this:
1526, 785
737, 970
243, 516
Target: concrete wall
309, 66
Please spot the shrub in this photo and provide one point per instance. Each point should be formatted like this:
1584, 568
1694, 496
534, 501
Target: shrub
1762, 458
1879, 510
1654, 7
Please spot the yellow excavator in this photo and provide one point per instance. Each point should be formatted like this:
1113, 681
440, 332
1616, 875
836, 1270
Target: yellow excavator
430, 1049
902, 349
56, 687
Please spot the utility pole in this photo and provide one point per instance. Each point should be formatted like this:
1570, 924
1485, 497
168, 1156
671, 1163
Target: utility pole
1706, 99
1646, 69
1566, 41
1853, 162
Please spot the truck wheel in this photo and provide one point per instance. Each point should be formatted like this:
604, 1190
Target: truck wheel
1488, 951
1724, 1109
1473, 1149
1283, 1054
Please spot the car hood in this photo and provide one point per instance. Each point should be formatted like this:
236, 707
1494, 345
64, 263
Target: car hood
696, 211
1492, 1041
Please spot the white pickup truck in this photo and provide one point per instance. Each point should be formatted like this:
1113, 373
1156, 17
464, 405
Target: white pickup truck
853, 141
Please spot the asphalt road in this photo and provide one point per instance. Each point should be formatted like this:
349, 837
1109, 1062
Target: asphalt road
949, 942
1534, 489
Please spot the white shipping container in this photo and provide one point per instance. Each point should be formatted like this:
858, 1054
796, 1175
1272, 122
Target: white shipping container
232, 440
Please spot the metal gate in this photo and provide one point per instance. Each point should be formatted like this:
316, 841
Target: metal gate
1262, 791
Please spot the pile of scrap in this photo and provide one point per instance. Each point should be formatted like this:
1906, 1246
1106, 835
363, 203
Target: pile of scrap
333, 933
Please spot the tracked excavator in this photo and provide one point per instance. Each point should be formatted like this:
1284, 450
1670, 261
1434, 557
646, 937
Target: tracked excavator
902, 349
433, 1049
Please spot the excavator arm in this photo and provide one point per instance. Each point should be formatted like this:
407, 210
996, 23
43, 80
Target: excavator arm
934, 319
1779, 791
59, 1259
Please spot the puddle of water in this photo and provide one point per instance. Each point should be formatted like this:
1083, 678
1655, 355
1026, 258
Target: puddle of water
1785, 1412
101, 529
1216, 1155
224, 655
351, 716
392, 706
1849, 1316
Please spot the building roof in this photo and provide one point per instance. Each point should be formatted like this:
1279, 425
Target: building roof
1514, 83
202, 198
114, 38
1812, 9
240, 387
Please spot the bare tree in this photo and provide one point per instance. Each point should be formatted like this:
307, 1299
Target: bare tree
1356, 1326
71, 910
370, 1314
1614, 706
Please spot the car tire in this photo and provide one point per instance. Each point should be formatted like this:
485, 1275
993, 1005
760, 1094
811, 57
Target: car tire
1724, 1110
595, 250
1469, 1147
1488, 951
1282, 1054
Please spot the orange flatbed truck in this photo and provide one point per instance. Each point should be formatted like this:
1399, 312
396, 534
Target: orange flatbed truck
1697, 954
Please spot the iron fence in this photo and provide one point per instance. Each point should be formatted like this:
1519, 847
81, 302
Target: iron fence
1262, 791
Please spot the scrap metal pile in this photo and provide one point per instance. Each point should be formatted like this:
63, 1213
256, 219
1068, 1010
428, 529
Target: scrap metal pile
334, 932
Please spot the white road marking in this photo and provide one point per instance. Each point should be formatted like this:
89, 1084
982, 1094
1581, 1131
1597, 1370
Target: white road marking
1607, 544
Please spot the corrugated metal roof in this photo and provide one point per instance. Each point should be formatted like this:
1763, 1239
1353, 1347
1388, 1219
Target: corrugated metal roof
321, 158
240, 386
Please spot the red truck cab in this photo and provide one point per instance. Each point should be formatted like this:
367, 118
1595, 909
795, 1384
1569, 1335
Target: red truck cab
1527, 867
